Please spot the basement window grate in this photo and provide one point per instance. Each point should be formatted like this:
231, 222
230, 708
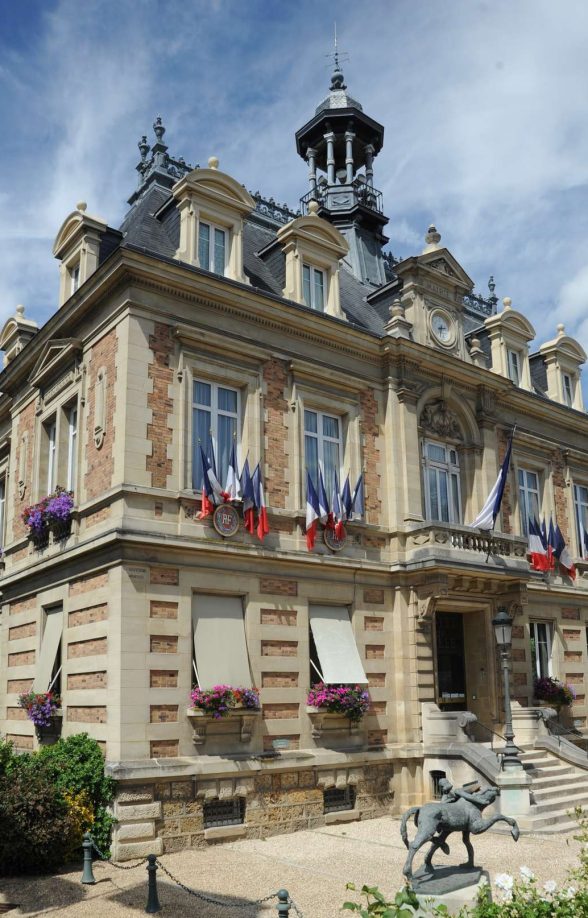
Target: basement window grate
337, 799
224, 812
436, 777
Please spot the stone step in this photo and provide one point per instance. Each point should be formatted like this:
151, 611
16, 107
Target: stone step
549, 786
564, 803
554, 770
552, 824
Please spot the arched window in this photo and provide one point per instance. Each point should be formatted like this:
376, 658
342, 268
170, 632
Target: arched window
441, 482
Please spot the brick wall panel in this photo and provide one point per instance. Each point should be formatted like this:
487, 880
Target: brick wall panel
279, 680
278, 586
165, 576
86, 714
373, 623
24, 658
100, 462
374, 596
159, 433
94, 680
86, 616
18, 686
88, 584
275, 378
164, 749
160, 609
371, 455
163, 678
91, 647
163, 713
20, 742
279, 648
278, 617
23, 605
163, 643
22, 631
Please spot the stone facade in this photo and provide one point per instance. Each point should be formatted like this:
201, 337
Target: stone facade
125, 354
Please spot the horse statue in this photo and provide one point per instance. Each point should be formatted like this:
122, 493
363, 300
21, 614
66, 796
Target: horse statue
457, 811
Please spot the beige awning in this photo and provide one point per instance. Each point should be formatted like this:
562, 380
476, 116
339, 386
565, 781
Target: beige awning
335, 645
220, 647
49, 648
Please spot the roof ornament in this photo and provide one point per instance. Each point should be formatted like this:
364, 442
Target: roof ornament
507, 303
337, 78
158, 129
82, 207
492, 287
561, 329
143, 147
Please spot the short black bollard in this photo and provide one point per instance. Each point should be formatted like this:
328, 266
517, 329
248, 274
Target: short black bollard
88, 875
152, 898
283, 903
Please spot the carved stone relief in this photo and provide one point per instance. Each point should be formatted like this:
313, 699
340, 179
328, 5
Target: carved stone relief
439, 420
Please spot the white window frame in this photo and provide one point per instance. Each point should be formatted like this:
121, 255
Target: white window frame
51, 428
74, 278
321, 438
311, 300
514, 366
72, 446
523, 493
581, 512
2, 508
214, 412
453, 472
213, 228
567, 385
534, 636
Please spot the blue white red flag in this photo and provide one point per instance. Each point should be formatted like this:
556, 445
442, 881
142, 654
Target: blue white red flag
551, 544
562, 554
211, 489
262, 521
233, 485
312, 512
248, 498
347, 500
539, 559
325, 512
486, 518
357, 501
337, 511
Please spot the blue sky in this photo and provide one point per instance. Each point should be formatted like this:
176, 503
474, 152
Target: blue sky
485, 106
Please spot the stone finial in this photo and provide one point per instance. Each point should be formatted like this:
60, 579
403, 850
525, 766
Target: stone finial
20, 311
82, 206
213, 162
396, 309
560, 329
313, 208
475, 344
158, 129
143, 147
433, 237
507, 303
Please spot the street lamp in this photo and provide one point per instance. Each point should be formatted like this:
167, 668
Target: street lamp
503, 631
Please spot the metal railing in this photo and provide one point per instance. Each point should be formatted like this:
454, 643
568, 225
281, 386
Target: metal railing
482, 733
328, 196
560, 732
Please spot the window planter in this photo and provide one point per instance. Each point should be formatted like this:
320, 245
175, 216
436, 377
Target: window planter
321, 717
49, 734
244, 718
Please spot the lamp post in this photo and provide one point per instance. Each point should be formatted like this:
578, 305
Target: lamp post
503, 631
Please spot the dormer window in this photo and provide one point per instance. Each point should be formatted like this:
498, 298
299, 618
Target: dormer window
212, 248
74, 278
568, 389
313, 281
514, 367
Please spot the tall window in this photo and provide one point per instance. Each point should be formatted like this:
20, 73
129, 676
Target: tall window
513, 367
568, 389
215, 418
541, 644
442, 482
51, 430
322, 447
528, 498
313, 282
2, 509
212, 248
581, 503
74, 277
72, 446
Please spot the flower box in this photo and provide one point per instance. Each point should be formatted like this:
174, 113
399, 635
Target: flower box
52, 515
321, 718
243, 718
51, 732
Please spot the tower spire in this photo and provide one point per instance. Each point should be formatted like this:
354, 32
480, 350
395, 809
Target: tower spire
337, 78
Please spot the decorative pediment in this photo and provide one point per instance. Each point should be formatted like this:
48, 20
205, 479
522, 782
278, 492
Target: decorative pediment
74, 227
443, 262
315, 233
55, 357
216, 187
511, 323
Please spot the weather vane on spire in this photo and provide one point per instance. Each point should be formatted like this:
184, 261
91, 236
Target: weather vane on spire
338, 57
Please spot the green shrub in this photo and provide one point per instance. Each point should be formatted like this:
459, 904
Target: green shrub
35, 823
376, 904
76, 765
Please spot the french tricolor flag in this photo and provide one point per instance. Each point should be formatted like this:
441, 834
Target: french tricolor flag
337, 513
539, 559
325, 513
347, 501
211, 489
313, 512
262, 523
562, 554
357, 501
233, 485
248, 499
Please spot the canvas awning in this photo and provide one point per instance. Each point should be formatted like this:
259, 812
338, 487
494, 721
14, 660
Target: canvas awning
335, 645
49, 648
220, 647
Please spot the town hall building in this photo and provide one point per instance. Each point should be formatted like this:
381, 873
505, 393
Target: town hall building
215, 322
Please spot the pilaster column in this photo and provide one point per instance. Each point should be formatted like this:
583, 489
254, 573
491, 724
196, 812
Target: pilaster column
330, 140
349, 138
369, 165
311, 159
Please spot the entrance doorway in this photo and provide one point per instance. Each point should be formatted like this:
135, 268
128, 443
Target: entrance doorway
451, 674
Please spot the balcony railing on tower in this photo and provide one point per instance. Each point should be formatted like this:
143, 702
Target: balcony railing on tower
344, 197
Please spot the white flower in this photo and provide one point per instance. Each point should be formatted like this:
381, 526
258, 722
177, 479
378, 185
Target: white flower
526, 873
570, 892
550, 886
504, 881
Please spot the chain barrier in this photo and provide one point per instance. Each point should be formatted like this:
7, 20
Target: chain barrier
213, 901
113, 863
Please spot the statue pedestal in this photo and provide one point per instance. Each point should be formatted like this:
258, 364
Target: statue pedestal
452, 887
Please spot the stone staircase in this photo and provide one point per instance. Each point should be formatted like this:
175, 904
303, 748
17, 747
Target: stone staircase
557, 787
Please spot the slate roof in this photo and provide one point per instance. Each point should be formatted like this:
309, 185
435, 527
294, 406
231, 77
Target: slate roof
155, 228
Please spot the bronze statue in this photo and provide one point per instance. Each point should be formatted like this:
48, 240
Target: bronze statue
459, 810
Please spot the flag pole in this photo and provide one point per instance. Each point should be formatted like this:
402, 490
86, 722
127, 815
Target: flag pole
494, 518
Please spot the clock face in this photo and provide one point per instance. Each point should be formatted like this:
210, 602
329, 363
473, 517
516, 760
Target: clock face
441, 327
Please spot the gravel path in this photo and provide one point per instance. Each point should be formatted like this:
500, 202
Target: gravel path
313, 866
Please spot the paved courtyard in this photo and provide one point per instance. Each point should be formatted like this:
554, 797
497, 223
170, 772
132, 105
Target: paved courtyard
314, 866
